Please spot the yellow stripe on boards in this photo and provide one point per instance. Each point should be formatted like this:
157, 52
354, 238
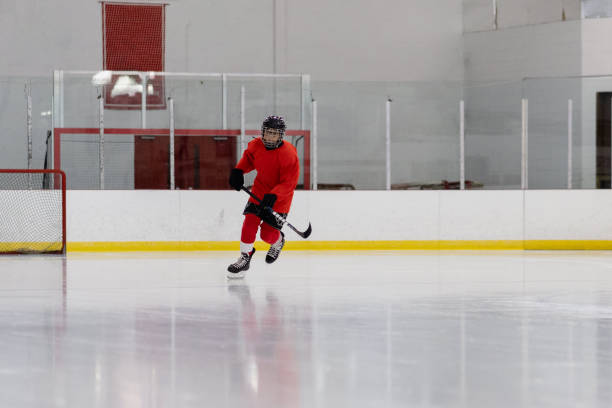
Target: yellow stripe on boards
568, 245
394, 245
153, 246
481, 245
234, 246
30, 246
345, 245
359, 245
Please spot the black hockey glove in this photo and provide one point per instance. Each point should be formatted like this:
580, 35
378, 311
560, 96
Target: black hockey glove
268, 200
236, 179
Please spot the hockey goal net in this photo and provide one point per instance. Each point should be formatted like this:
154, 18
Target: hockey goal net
32, 211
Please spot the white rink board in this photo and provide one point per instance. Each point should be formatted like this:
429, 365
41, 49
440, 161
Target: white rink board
481, 215
116, 215
149, 215
369, 215
574, 214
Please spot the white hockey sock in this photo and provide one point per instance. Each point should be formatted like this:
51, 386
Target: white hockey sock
246, 248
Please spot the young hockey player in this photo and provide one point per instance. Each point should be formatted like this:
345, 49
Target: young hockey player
278, 171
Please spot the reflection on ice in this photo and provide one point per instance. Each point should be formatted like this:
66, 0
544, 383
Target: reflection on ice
315, 329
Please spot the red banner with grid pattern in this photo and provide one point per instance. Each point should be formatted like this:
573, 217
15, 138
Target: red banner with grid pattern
134, 40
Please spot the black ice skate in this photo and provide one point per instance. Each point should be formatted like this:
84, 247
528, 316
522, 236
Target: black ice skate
236, 270
275, 249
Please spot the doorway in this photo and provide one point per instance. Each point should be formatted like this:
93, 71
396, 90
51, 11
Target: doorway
201, 162
603, 130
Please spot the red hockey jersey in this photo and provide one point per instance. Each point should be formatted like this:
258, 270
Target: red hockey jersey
278, 171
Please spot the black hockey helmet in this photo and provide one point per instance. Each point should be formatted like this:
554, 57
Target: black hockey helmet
277, 123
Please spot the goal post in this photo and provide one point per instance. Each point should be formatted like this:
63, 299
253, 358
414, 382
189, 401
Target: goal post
32, 211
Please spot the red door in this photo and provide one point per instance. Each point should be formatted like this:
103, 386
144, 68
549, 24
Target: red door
201, 162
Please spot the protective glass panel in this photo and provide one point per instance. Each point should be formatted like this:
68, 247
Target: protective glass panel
205, 112
425, 135
13, 114
493, 135
351, 135
549, 110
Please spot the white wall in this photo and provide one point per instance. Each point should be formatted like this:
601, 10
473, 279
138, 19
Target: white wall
220, 36
478, 15
496, 62
157, 216
596, 49
512, 13
369, 40
39, 36
542, 50
483, 15
332, 40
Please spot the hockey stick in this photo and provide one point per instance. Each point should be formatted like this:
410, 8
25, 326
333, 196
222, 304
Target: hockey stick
279, 218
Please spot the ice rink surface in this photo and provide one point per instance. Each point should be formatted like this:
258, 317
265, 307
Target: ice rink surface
316, 329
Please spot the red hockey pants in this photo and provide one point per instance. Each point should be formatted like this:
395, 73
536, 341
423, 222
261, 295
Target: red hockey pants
249, 230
